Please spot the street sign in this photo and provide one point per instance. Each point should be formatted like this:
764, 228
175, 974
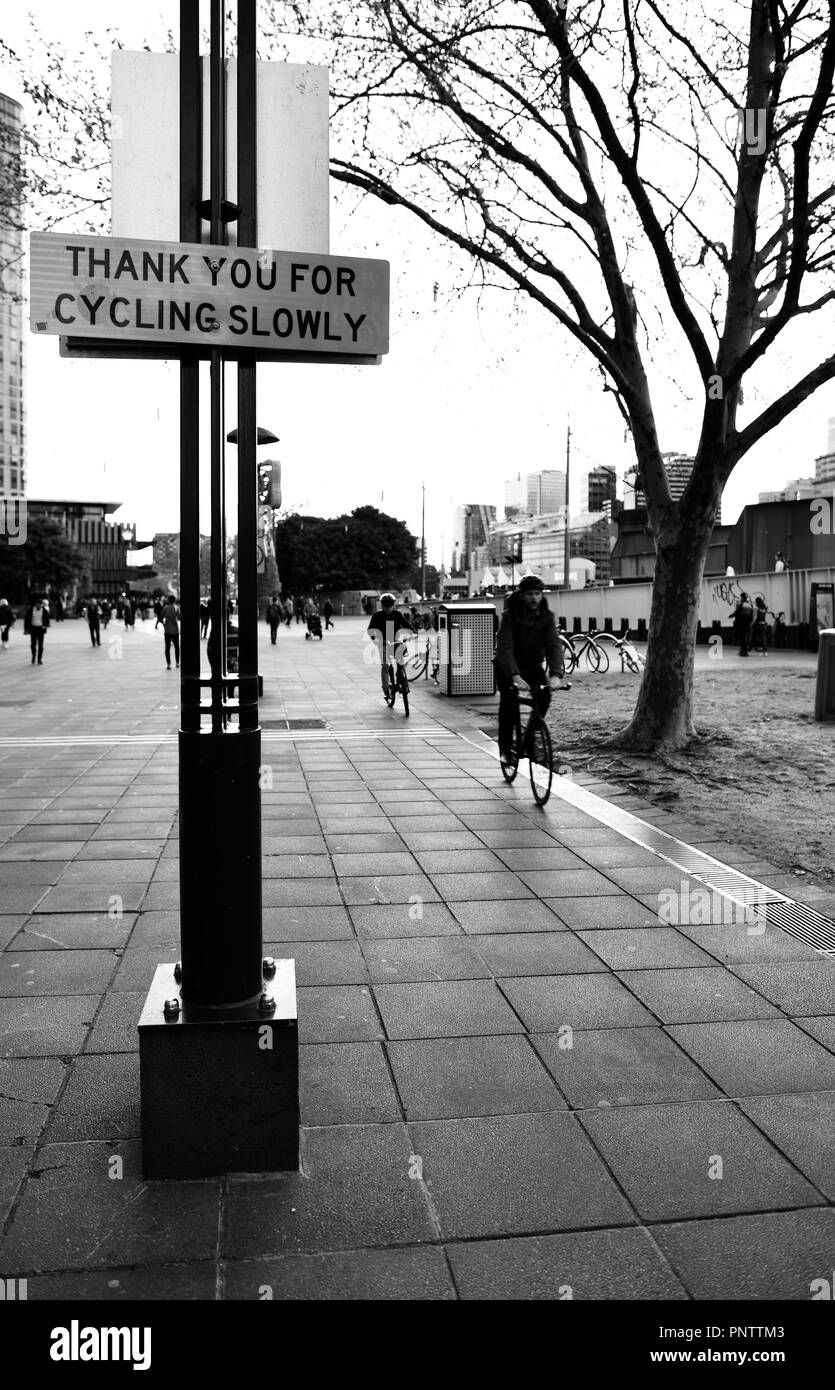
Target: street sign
125, 290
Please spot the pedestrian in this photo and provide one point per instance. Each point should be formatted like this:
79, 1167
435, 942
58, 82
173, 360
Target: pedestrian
743, 620
287, 611
327, 609
93, 616
59, 609
106, 609
6, 620
170, 619
35, 623
780, 630
273, 617
299, 609
204, 617
759, 631
779, 563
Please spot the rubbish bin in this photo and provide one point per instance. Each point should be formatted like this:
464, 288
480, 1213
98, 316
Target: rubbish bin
466, 642
825, 688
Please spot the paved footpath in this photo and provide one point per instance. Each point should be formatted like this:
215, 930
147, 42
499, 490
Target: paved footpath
517, 1082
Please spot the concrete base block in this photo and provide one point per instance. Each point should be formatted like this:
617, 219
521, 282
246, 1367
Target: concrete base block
219, 1094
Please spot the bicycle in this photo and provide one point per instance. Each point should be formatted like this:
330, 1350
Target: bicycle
534, 743
630, 658
583, 644
398, 681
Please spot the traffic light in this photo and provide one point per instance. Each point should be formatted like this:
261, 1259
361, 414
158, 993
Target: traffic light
269, 483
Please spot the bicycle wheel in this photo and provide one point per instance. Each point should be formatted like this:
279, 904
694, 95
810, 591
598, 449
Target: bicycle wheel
540, 759
391, 690
403, 687
510, 761
569, 653
597, 658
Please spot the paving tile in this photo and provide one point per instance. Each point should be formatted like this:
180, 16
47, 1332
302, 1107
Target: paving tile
760, 1057
322, 962
76, 1217
404, 920
307, 923
513, 915
100, 1101
46, 1027
291, 866
337, 1013
13, 1165
293, 844
9, 928
803, 1128
735, 943
157, 929
548, 1003
458, 1077
371, 865
121, 849
474, 887
697, 995
512, 837
22, 899
116, 1025
664, 1155
551, 860
417, 1273
395, 888
568, 883
116, 895
445, 1009
621, 1066
644, 947
55, 972
17, 850
301, 892
425, 840
422, 958
536, 953
138, 964
777, 1256
438, 824
797, 987
513, 1175
28, 1087
74, 931
596, 1265
604, 914
350, 843
355, 1191
346, 1084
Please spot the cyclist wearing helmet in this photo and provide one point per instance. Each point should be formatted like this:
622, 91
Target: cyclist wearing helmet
527, 639
383, 629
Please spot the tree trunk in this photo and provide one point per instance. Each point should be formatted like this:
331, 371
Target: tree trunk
663, 716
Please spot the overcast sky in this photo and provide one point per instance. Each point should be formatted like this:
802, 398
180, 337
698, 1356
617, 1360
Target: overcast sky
468, 395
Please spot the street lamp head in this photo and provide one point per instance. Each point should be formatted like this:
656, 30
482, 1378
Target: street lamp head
264, 437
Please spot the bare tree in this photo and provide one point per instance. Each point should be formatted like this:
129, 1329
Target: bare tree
638, 170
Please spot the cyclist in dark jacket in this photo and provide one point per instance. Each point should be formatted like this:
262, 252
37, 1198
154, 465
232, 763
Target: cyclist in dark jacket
527, 640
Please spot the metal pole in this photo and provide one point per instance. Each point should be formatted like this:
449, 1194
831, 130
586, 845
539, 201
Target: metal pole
567, 556
190, 125
247, 437
423, 540
217, 164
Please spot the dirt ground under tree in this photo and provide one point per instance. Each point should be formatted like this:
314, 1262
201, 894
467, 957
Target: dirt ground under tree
762, 774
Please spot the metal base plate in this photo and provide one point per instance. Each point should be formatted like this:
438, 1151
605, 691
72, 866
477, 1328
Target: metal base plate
220, 1094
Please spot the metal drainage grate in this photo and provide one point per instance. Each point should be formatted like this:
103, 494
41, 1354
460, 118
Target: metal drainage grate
802, 922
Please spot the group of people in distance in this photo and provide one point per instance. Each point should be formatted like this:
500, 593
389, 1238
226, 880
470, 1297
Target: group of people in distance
750, 620
308, 610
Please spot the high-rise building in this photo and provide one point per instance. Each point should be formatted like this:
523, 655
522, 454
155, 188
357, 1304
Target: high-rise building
470, 530
546, 492
825, 468
515, 496
12, 409
602, 488
679, 468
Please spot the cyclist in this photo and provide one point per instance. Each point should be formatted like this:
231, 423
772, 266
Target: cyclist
527, 639
383, 629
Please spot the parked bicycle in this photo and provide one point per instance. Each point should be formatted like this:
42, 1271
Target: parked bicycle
583, 646
423, 656
534, 743
630, 658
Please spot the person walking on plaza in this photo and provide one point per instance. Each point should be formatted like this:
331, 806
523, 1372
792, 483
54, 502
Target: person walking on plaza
743, 622
273, 617
327, 609
759, 631
6, 620
106, 610
35, 623
205, 612
94, 622
527, 641
170, 619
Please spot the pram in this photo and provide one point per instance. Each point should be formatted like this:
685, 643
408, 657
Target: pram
314, 627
